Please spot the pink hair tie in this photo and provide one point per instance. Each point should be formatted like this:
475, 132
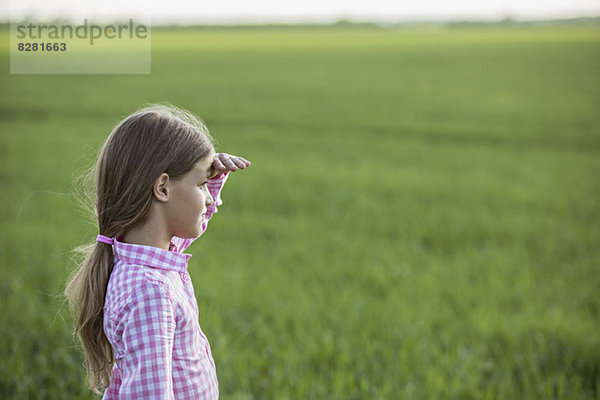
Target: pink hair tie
104, 239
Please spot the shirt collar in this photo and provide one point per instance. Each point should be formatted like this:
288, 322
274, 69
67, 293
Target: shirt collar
150, 256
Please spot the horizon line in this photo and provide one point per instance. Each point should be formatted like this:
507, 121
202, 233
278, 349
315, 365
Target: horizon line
343, 20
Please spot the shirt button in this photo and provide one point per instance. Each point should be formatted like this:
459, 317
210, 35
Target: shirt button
184, 276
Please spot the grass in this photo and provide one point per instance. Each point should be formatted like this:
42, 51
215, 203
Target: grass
420, 221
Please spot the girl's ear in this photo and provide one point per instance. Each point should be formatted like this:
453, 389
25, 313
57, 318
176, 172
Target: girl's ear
160, 189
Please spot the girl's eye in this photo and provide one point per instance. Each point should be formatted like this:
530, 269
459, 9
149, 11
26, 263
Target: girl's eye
203, 184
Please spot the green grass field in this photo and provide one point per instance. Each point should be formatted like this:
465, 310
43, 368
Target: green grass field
421, 219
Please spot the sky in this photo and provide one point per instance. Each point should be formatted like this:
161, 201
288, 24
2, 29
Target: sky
264, 11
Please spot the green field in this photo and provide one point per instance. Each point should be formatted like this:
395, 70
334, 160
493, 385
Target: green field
421, 219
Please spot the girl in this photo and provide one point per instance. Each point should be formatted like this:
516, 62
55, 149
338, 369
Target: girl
158, 183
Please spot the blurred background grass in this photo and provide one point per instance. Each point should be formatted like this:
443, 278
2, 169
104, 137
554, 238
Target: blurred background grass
420, 220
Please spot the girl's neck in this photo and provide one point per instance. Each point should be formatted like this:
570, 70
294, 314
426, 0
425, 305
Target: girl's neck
148, 235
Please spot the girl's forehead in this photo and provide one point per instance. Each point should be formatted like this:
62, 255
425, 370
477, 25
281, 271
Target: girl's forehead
204, 165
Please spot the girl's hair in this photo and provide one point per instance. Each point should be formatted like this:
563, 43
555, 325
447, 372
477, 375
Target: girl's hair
153, 140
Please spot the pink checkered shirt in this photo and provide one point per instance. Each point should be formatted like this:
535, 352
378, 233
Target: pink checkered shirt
151, 321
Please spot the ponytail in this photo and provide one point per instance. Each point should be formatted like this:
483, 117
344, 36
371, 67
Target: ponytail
85, 291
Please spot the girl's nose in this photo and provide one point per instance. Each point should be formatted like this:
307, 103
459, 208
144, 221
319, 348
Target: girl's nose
209, 199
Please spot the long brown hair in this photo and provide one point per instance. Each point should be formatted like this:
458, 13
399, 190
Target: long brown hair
153, 140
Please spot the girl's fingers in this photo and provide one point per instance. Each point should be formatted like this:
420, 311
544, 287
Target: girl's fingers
229, 162
218, 164
239, 162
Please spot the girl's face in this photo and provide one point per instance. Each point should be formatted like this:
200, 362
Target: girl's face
188, 199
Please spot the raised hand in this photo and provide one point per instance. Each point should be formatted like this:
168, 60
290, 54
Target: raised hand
224, 162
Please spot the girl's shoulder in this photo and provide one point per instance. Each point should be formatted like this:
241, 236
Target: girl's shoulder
128, 280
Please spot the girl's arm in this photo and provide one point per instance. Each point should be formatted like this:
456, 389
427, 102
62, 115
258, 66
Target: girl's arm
223, 163
148, 330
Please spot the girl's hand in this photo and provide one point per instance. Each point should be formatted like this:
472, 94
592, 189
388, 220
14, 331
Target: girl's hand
224, 162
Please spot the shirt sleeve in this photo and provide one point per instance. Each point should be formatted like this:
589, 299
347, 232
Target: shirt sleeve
214, 185
147, 343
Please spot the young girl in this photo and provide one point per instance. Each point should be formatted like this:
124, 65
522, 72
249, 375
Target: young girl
158, 183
